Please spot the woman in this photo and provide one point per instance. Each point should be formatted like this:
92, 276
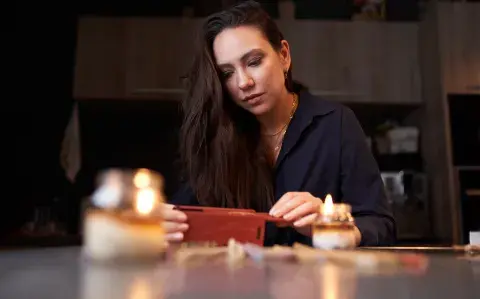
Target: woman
253, 138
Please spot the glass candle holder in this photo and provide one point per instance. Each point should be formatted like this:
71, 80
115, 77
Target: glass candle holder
334, 227
124, 220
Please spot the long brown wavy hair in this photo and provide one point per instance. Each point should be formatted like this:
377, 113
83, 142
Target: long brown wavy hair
221, 153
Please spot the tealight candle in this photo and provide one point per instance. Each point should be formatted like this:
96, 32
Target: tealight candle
125, 221
334, 227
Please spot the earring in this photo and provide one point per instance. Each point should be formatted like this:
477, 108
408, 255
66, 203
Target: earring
285, 73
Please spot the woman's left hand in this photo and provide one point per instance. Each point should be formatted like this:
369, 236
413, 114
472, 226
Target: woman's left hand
301, 208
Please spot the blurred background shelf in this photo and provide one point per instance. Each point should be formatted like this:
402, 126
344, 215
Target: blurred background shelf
400, 162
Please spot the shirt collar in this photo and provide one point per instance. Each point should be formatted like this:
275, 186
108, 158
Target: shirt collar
309, 107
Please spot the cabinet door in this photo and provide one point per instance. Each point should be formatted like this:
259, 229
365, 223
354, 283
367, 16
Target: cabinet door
356, 61
318, 57
395, 66
459, 33
159, 52
100, 58
345, 61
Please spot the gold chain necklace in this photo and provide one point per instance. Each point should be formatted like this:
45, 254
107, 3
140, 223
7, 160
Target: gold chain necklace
284, 128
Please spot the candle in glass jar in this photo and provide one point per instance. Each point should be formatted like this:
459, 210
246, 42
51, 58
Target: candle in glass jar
334, 226
125, 221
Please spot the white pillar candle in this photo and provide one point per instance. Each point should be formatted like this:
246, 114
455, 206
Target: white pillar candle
334, 227
125, 221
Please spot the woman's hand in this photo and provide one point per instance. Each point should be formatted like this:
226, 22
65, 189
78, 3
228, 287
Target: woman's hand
299, 207
302, 209
174, 223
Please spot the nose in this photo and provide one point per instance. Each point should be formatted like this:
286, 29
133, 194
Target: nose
244, 80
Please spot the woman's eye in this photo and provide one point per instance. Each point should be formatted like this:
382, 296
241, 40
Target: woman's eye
255, 62
226, 74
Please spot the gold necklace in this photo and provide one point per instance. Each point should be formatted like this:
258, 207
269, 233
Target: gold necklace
284, 128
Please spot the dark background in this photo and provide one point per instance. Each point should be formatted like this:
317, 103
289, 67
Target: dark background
45, 36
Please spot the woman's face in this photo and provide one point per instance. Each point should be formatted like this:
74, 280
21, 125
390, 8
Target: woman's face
251, 69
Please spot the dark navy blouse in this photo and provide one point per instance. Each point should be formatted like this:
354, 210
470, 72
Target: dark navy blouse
325, 152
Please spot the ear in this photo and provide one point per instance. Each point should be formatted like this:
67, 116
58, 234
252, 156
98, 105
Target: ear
285, 55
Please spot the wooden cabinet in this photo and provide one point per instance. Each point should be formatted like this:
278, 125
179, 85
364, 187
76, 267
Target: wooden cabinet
100, 59
131, 57
347, 61
159, 52
356, 61
449, 47
459, 43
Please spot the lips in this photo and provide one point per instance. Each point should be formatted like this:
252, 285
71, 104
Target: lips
252, 97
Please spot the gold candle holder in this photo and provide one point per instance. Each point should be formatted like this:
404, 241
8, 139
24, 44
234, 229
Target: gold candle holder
125, 219
334, 227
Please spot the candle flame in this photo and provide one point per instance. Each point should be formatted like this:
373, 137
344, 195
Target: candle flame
145, 201
328, 205
142, 179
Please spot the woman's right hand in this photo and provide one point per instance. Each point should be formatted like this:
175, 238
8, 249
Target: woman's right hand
174, 223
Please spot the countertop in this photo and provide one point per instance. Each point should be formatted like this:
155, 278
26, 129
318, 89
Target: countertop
62, 272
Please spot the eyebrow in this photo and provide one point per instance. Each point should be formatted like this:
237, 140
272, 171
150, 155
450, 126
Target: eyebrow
244, 56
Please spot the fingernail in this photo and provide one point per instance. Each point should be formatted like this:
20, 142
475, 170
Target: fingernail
176, 236
183, 226
182, 217
272, 212
287, 217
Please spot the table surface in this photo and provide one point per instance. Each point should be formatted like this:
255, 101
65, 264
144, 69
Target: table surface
55, 273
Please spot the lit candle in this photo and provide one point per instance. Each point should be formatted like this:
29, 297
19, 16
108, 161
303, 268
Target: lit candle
125, 221
334, 227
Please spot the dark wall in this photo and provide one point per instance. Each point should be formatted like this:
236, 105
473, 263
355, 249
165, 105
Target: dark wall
465, 128
44, 48
129, 134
